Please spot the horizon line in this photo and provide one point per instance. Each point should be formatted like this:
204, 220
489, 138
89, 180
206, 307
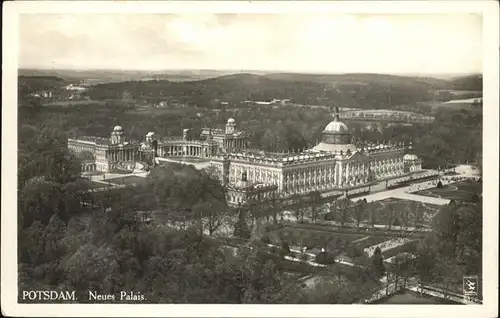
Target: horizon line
247, 70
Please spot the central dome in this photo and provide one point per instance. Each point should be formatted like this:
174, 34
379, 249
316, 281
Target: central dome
336, 137
336, 126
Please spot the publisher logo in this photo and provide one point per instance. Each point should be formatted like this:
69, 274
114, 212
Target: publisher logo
471, 285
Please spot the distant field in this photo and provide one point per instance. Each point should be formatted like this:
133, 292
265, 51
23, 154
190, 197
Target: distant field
67, 103
147, 111
436, 105
464, 101
461, 93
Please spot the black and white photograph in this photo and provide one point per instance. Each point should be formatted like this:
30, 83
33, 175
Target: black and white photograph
252, 155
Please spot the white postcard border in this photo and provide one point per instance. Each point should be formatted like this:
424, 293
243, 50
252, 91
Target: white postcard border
10, 307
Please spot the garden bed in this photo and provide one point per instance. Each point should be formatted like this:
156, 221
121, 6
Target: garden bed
309, 237
371, 240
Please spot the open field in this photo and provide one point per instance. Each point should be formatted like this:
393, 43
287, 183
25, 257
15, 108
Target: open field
459, 93
451, 105
461, 191
148, 111
68, 103
465, 101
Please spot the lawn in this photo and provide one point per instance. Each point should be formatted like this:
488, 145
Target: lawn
128, 180
67, 103
461, 191
310, 238
381, 213
370, 241
400, 206
97, 185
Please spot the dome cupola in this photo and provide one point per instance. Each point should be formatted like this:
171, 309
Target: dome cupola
335, 137
336, 132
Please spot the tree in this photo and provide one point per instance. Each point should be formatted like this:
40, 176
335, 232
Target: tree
41, 199
359, 211
426, 259
343, 206
183, 193
285, 250
297, 205
276, 205
449, 273
469, 238
313, 199
447, 224
403, 267
213, 215
241, 227
326, 258
372, 216
390, 215
418, 216
405, 214
378, 262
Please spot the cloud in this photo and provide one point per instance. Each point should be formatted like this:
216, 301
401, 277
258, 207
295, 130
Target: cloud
307, 42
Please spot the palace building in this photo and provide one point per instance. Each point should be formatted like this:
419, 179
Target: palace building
105, 154
117, 154
334, 165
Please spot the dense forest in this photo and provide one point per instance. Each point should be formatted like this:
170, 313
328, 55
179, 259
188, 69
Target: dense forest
241, 87
366, 91
454, 137
468, 83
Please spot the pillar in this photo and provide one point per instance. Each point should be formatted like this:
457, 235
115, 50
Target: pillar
340, 173
348, 172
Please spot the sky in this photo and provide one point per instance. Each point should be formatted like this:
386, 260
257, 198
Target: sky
325, 43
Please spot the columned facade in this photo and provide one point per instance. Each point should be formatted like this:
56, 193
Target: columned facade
333, 165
